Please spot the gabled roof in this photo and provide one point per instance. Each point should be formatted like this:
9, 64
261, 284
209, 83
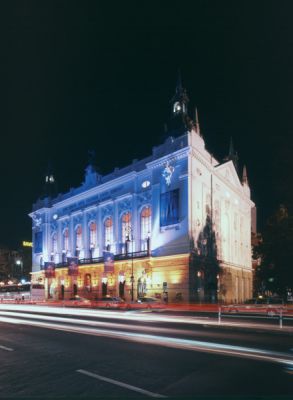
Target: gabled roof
227, 171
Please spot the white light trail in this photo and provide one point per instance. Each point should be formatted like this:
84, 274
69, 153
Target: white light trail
6, 348
132, 316
178, 343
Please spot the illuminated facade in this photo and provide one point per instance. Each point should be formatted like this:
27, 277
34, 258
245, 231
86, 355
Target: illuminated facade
178, 222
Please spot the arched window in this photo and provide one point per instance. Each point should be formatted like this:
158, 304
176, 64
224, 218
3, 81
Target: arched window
66, 240
145, 226
126, 227
108, 226
78, 237
93, 235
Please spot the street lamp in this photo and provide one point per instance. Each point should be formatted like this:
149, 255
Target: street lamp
19, 263
129, 232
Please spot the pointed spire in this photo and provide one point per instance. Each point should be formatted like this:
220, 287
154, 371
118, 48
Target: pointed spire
197, 127
231, 149
91, 154
244, 176
233, 156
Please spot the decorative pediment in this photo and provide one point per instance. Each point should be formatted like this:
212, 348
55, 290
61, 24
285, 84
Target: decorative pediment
228, 172
37, 220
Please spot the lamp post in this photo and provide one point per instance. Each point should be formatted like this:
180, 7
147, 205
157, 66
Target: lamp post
92, 246
129, 232
19, 263
148, 244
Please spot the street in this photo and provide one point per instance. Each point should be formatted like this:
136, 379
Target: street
79, 353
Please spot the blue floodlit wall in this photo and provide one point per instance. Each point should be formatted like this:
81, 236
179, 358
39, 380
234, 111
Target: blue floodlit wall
159, 181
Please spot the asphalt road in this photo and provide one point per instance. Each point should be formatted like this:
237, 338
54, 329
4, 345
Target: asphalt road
104, 354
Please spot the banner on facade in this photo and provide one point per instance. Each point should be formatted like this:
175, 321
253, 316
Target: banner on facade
72, 266
49, 269
108, 261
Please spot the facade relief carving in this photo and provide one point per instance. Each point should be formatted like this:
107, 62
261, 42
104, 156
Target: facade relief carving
107, 211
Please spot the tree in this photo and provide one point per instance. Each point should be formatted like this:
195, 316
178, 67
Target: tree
276, 270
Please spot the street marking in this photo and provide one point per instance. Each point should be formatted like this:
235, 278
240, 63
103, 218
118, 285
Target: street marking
124, 385
6, 348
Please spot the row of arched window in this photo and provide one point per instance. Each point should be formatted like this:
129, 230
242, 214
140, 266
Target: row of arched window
108, 233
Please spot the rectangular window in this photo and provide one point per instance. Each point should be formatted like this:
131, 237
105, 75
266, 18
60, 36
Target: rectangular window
169, 208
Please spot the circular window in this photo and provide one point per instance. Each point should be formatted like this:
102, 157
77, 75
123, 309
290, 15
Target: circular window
145, 184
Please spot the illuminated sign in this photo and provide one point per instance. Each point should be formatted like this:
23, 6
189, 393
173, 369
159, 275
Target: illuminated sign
27, 244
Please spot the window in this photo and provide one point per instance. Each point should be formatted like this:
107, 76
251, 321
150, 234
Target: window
169, 213
93, 234
145, 226
78, 237
126, 227
108, 226
176, 107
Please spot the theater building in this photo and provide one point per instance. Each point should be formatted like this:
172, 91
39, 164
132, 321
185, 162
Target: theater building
177, 222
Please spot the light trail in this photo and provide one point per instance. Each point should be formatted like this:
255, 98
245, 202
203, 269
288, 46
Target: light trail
6, 348
141, 317
106, 324
182, 344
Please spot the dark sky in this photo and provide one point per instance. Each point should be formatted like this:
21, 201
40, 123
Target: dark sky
99, 75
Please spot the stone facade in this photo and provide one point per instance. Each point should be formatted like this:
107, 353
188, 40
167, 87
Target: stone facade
179, 219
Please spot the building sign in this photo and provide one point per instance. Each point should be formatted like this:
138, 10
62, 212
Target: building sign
72, 266
49, 270
169, 208
108, 262
38, 242
27, 244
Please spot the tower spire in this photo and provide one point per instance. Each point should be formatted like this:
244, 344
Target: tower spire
232, 155
231, 149
197, 127
244, 176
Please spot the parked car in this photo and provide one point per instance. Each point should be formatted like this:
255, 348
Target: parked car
109, 302
77, 301
146, 303
260, 305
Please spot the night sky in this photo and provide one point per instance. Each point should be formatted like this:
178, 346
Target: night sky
89, 75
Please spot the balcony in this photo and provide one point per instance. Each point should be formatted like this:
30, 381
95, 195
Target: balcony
100, 260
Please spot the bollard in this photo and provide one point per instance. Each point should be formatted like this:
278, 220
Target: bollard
219, 315
281, 319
